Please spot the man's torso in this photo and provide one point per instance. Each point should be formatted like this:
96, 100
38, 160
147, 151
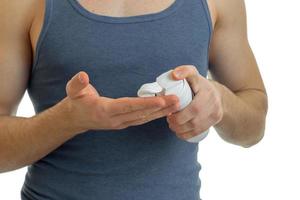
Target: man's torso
114, 8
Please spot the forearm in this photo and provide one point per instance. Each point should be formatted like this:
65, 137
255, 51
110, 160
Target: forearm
26, 140
243, 121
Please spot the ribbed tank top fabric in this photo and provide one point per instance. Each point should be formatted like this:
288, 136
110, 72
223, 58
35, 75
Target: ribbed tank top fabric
120, 54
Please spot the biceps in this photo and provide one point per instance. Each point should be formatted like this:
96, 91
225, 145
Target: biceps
13, 78
15, 60
232, 62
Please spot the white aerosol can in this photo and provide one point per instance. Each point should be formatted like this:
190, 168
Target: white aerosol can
166, 85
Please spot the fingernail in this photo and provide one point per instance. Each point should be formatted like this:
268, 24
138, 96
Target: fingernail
80, 78
178, 73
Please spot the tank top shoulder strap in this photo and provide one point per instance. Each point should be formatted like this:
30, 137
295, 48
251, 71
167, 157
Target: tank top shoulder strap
61, 14
56, 11
46, 22
208, 14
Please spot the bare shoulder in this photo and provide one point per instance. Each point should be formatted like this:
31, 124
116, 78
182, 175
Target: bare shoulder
230, 49
228, 11
18, 13
15, 51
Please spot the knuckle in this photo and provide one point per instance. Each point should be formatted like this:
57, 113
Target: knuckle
194, 123
215, 115
195, 109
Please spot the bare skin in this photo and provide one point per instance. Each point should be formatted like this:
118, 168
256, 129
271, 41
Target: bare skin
242, 99
235, 101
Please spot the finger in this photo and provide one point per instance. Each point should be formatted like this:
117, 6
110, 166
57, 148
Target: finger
163, 112
190, 73
191, 134
188, 126
131, 104
77, 84
185, 115
135, 115
152, 116
205, 124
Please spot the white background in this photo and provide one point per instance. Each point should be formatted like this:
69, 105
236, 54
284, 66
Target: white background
268, 170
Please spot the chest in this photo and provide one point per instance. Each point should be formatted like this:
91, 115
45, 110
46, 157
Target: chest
113, 8
130, 50
124, 8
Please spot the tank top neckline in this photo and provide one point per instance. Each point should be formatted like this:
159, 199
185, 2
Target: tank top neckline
127, 19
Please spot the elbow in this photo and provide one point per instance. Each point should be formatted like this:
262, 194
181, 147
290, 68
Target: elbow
7, 165
257, 137
7, 168
251, 128
249, 135
260, 131
252, 142
3, 165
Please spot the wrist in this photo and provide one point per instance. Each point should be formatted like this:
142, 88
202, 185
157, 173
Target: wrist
66, 112
59, 119
220, 89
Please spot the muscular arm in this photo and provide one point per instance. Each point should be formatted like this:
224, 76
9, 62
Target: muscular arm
22, 140
236, 75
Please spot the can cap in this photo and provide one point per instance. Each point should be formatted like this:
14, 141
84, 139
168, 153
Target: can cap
149, 89
166, 81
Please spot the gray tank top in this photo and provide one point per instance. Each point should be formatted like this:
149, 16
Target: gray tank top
120, 54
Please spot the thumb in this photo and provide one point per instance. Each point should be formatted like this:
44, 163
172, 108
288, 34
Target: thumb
190, 73
77, 84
